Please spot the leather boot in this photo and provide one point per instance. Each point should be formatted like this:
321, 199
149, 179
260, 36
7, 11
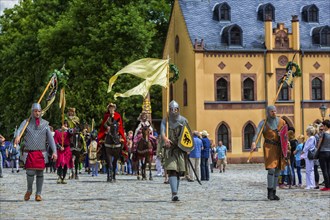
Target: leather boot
275, 196
270, 195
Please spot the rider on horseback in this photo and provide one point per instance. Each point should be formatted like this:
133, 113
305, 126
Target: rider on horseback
112, 115
112, 140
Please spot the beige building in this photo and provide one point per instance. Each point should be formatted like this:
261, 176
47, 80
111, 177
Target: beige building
232, 56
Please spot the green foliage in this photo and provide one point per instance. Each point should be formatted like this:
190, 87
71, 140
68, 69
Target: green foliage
94, 38
174, 69
296, 71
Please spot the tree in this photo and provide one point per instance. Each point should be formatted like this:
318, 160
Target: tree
93, 38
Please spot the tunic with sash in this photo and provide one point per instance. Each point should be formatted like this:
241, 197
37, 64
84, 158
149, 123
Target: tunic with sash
272, 147
174, 157
64, 158
35, 139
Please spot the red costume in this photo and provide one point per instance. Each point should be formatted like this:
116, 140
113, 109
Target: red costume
63, 157
102, 131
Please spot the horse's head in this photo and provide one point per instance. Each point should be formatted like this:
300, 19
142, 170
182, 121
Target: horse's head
112, 136
145, 132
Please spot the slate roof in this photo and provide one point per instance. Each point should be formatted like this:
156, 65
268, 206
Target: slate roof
198, 17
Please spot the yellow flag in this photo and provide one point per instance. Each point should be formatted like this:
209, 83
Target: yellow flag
154, 71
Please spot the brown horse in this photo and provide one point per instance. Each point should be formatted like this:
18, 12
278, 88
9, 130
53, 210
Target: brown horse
113, 148
143, 153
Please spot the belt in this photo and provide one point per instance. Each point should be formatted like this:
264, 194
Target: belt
33, 150
112, 145
267, 141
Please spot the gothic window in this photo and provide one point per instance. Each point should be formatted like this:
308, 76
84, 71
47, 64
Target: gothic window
171, 92
223, 135
281, 40
249, 133
248, 90
310, 13
265, 12
222, 90
185, 93
316, 89
232, 35
284, 93
177, 44
222, 12
321, 36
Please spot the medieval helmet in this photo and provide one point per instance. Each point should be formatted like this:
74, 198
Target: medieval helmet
174, 108
36, 106
270, 108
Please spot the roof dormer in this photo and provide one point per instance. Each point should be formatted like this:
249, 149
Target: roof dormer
222, 12
321, 36
232, 35
266, 11
310, 13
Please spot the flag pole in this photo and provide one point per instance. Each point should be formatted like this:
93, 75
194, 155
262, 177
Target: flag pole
62, 102
167, 94
262, 128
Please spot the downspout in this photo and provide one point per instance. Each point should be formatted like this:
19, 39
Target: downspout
302, 91
265, 73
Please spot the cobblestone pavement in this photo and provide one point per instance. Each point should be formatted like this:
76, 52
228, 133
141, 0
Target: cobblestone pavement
240, 193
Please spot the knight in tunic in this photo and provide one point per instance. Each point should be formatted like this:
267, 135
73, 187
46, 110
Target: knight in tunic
37, 134
174, 157
274, 159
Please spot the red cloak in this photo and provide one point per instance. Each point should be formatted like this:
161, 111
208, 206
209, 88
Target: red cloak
102, 130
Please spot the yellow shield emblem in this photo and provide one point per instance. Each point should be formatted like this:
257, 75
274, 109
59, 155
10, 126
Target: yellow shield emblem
186, 142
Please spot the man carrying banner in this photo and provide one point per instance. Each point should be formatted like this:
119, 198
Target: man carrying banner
274, 159
35, 152
177, 143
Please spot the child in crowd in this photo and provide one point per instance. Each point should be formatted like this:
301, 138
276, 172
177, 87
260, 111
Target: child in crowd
92, 154
297, 154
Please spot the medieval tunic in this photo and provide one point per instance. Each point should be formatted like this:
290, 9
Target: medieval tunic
272, 147
63, 157
174, 157
35, 149
92, 152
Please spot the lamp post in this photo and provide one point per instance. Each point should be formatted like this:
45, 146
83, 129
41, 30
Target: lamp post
323, 110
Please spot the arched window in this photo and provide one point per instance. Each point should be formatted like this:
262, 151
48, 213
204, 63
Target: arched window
249, 133
284, 93
222, 12
232, 35
185, 93
248, 90
171, 92
265, 12
316, 89
310, 13
223, 135
321, 35
222, 90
